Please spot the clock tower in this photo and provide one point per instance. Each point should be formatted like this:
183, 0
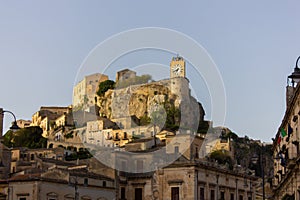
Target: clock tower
177, 67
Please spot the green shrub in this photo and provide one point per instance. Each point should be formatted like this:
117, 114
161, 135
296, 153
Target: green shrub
30, 137
104, 86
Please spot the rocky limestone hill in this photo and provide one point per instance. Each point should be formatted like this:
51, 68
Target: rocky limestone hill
141, 100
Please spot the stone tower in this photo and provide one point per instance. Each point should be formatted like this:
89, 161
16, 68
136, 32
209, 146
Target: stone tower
177, 67
179, 84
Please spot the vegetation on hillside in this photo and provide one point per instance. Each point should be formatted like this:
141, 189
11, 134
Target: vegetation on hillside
203, 127
249, 154
173, 116
253, 155
30, 137
104, 86
222, 157
166, 116
81, 154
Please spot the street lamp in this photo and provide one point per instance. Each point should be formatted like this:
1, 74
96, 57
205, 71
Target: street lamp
75, 184
14, 125
295, 76
254, 160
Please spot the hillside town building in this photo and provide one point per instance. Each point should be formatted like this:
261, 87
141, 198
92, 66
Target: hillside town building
84, 91
286, 150
144, 141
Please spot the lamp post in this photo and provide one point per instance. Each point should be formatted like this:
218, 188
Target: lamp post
14, 125
262, 171
75, 184
295, 76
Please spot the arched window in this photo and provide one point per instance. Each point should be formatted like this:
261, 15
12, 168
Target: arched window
86, 198
52, 196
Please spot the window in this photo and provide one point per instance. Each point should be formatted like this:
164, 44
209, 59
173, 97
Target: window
85, 198
231, 196
32, 157
138, 194
212, 194
104, 183
52, 196
86, 181
222, 195
69, 197
176, 149
123, 194
196, 153
241, 197
175, 193
23, 196
201, 193
125, 135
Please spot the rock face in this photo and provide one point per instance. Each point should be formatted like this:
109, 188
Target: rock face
141, 100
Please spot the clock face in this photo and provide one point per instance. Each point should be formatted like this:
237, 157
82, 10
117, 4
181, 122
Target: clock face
177, 69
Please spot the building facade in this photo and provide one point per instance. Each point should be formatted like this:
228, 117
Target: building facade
187, 177
59, 185
23, 123
85, 91
286, 150
1, 121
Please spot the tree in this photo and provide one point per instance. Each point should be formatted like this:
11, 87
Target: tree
104, 86
144, 120
158, 117
222, 157
173, 116
30, 137
203, 127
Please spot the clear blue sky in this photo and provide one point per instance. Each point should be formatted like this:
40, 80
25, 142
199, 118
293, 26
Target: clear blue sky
254, 44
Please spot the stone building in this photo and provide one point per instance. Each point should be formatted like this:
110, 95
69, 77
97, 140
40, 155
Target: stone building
137, 101
214, 141
183, 180
23, 123
46, 117
65, 119
58, 184
84, 92
125, 74
286, 150
48, 111
186, 177
42, 174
